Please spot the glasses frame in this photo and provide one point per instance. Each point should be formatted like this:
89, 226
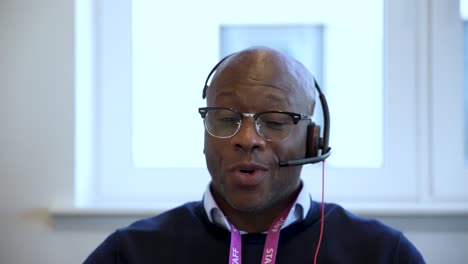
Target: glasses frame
295, 117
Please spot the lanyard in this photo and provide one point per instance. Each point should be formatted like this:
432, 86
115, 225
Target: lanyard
271, 243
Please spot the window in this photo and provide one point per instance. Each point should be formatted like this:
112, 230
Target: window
375, 64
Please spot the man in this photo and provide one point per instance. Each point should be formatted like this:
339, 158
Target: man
254, 211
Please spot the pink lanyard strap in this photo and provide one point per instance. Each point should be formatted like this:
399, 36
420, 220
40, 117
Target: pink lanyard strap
271, 243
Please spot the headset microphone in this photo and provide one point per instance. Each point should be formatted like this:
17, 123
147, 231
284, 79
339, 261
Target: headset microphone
317, 148
298, 162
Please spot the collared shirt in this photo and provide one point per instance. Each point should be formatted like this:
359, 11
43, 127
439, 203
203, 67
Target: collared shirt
298, 211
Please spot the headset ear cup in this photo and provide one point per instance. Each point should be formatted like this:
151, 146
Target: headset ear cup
313, 140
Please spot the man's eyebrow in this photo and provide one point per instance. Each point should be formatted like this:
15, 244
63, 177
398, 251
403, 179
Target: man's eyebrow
276, 100
271, 99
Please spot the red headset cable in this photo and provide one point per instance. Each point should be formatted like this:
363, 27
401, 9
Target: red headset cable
322, 222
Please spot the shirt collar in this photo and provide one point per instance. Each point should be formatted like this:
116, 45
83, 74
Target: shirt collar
298, 211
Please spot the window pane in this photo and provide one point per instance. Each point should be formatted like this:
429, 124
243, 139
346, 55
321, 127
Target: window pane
174, 49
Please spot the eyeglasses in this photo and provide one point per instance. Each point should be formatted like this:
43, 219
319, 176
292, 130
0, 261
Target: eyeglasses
222, 122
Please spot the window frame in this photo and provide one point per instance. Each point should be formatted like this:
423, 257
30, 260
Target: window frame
449, 172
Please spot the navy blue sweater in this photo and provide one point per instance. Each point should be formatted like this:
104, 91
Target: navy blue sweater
185, 235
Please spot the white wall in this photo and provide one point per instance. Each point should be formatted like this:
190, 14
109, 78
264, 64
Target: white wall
36, 132
36, 148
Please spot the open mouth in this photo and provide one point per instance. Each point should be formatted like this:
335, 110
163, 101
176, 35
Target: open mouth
248, 174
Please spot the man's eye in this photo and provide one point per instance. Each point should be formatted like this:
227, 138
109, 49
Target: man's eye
227, 120
276, 125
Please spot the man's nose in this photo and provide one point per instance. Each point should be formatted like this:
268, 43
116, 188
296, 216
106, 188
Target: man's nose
247, 138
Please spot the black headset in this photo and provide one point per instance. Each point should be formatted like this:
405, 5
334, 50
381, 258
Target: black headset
317, 147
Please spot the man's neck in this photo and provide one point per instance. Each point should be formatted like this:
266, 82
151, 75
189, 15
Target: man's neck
255, 220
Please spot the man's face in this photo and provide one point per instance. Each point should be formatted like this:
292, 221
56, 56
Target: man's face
244, 168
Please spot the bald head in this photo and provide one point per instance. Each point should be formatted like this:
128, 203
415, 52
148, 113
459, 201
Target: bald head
267, 67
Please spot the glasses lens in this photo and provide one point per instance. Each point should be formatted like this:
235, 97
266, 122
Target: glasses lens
275, 126
222, 123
